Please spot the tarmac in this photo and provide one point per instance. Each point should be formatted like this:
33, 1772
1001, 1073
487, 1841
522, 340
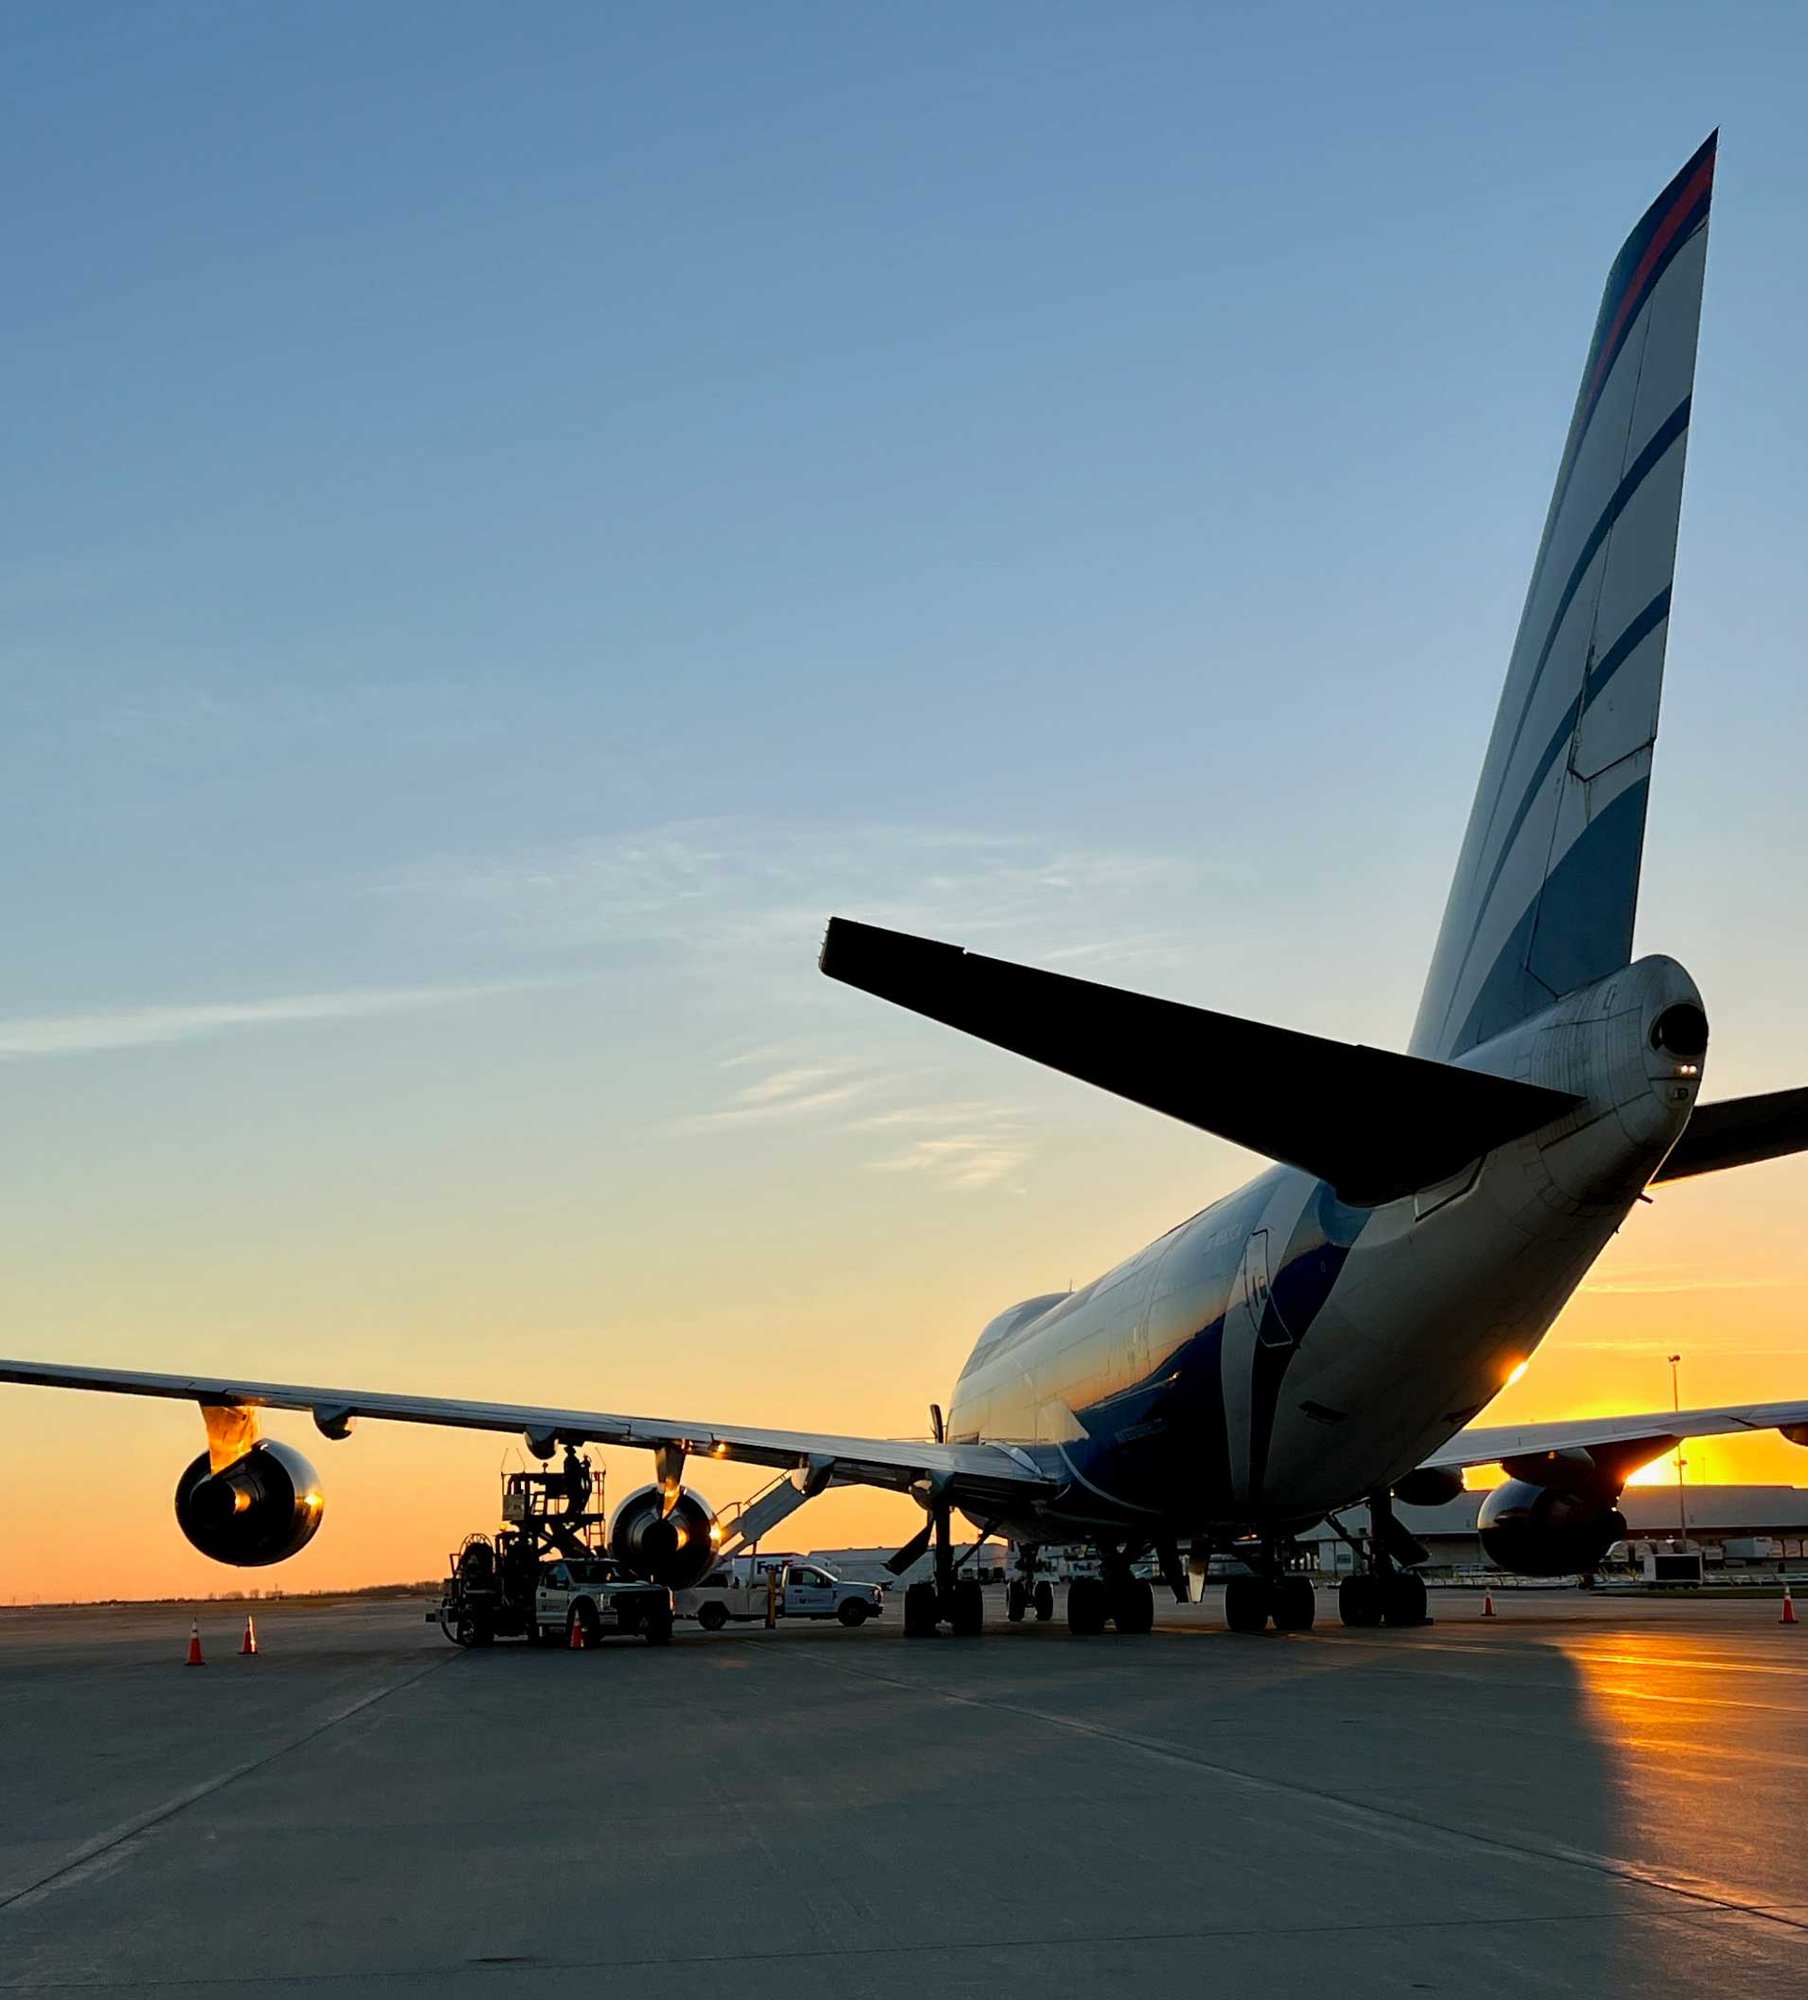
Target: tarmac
1580, 1796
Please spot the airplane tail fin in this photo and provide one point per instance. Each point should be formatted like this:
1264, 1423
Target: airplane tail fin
1547, 885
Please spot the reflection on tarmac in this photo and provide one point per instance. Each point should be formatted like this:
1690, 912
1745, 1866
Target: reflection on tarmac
1582, 1796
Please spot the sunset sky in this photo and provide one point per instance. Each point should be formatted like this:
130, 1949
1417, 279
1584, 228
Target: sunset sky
512, 519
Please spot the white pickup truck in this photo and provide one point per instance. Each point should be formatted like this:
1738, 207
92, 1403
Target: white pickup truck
600, 1597
743, 1586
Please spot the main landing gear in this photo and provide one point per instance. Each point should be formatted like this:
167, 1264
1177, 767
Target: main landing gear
1116, 1597
950, 1599
1385, 1591
1271, 1591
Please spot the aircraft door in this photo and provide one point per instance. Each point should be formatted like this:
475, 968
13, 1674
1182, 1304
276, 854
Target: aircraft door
1258, 1295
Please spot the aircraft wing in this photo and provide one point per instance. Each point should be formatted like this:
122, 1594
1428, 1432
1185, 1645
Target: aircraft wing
973, 1473
1619, 1444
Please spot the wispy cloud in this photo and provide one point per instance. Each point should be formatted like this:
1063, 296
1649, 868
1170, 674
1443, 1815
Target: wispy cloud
761, 890
961, 1142
1657, 1279
800, 1090
967, 1143
37, 1035
962, 1159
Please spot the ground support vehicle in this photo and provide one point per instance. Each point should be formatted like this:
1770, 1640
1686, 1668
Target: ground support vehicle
545, 1576
751, 1587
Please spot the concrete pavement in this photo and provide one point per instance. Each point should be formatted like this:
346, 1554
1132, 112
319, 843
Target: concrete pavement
1582, 1796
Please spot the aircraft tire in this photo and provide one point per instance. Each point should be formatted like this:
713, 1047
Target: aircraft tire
1295, 1604
1016, 1601
1044, 1599
967, 1609
919, 1611
1088, 1604
1403, 1599
1359, 1600
1247, 1603
1133, 1607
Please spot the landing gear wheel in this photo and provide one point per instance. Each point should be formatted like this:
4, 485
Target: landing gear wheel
1133, 1606
919, 1611
852, 1613
1295, 1604
1247, 1603
1403, 1599
1044, 1599
967, 1608
1016, 1601
712, 1617
1088, 1602
1359, 1600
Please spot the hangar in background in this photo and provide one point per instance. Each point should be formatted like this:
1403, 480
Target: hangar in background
1734, 1524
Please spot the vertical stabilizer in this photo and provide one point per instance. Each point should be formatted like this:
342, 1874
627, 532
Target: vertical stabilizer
1547, 886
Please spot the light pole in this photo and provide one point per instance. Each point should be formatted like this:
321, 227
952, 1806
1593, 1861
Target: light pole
1682, 1507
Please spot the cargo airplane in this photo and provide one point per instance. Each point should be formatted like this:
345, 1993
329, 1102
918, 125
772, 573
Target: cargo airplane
1328, 1334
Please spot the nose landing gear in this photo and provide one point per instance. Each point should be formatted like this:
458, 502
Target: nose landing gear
1026, 1592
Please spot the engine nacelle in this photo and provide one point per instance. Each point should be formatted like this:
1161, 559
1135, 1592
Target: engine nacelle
1429, 1486
1540, 1531
264, 1508
675, 1549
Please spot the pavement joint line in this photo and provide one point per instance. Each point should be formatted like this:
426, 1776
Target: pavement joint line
1600, 1864
794, 1955
73, 1867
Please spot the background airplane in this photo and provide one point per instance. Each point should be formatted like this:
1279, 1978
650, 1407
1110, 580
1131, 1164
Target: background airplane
1325, 1334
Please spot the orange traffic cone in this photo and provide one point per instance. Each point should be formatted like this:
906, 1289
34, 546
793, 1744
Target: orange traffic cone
1487, 1604
576, 1641
1788, 1617
194, 1644
250, 1640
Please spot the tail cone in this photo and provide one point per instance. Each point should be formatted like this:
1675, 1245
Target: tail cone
1788, 1617
194, 1644
250, 1640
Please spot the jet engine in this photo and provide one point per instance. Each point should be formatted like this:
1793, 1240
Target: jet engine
1429, 1486
675, 1548
263, 1508
1543, 1531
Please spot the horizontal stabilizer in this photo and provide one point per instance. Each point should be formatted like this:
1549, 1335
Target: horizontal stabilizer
1373, 1124
1737, 1132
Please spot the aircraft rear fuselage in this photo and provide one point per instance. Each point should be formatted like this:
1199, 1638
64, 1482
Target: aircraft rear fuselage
1283, 1353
